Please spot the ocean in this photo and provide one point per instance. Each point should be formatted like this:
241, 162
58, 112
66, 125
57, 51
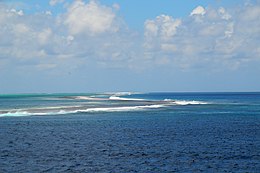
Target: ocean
130, 132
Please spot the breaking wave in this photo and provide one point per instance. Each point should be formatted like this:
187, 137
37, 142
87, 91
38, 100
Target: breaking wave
49, 111
87, 98
124, 99
123, 108
107, 102
186, 102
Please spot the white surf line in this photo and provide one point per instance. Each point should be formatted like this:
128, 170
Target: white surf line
122, 108
97, 109
185, 102
114, 97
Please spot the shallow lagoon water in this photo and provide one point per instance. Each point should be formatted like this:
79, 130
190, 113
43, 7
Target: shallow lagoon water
190, 138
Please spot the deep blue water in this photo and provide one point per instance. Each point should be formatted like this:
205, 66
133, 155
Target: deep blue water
187, 132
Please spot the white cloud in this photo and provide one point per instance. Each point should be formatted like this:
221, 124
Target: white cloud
150, 28
48, 13
164, 26
54, 2
224, 14
44, 36
159, 31
91, 18
25, 40
20, 12
211, 38
91, 33
198, 11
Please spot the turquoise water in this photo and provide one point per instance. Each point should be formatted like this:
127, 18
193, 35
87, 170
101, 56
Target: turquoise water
130, 132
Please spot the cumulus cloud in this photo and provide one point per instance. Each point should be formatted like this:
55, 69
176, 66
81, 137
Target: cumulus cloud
198, 11
92, 33
160, 30
25, 41
208, 38
163, 26
91, 18
20, 12
86, 33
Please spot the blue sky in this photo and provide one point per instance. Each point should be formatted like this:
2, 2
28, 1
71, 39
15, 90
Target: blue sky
130, 45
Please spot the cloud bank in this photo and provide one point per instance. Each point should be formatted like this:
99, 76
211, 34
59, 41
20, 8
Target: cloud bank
94, 34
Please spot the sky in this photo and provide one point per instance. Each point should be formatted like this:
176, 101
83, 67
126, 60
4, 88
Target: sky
84, 46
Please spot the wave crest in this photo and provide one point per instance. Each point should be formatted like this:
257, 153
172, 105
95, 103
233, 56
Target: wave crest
124, 99
48, 111
193, 102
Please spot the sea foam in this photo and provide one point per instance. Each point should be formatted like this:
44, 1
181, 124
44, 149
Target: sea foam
48, 111
185, 102
193, 102
115, 102
124, 99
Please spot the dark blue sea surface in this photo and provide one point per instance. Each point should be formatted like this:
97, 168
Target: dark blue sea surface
130, 132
